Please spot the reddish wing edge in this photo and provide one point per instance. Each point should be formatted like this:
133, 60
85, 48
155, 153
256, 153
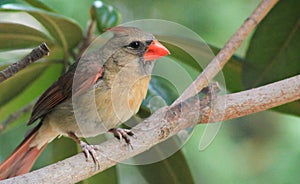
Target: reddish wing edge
62, 88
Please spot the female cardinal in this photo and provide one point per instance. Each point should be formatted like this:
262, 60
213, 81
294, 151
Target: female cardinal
99, 92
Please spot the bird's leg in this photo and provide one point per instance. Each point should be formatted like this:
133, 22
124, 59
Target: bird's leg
88, 150
121, 134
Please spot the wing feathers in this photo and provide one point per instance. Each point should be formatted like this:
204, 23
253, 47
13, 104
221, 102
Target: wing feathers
62, 89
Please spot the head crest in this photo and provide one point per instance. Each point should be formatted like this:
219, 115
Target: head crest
123, 31
117, 29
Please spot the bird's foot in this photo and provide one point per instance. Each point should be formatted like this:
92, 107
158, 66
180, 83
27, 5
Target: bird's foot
90, 151
121, 134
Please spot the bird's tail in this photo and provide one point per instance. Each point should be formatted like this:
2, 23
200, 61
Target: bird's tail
23, 158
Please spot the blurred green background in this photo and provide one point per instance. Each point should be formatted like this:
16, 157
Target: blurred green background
259, 148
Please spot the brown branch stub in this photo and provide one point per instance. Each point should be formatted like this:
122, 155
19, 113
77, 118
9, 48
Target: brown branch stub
37, 53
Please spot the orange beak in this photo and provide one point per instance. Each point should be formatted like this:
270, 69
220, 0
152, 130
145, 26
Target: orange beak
155, 51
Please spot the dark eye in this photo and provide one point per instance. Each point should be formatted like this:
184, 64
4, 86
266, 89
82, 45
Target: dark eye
148, 42
134, 44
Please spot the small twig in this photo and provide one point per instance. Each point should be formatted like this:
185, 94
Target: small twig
16, 115
87, 39
37, 53
217, 64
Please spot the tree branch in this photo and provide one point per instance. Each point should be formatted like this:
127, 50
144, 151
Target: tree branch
33, 56
217, 64
87, 40
167, 122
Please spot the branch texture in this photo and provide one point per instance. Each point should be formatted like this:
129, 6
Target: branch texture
217, 64
167, 122
36, 54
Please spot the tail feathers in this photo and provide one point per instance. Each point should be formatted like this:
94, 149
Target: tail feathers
22, 159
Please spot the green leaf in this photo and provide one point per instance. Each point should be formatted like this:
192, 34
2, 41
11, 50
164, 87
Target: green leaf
58, 150
174, 169
184, 58
66, 32
18, 36
163, 88
39, 4
16, 84
231, 72
106, 16
290, 108
110, 176
26, 85
273, 53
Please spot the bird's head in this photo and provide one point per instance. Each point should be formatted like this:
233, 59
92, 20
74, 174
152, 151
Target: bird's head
136, 42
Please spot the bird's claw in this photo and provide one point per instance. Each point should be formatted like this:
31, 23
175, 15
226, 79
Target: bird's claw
90, 150
121, 134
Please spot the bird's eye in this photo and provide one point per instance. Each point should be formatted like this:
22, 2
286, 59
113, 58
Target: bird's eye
134, 44
148, 42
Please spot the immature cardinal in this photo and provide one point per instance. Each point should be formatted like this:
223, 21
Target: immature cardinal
99, 92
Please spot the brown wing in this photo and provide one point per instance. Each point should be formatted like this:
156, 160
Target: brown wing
62, 88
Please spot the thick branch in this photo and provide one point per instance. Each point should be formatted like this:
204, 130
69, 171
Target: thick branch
37, 53
216, 65
167, 122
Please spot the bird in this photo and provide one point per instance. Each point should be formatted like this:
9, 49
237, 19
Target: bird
98, 92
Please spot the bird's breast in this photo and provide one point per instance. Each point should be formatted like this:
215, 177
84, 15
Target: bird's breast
122, 100
137, 93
